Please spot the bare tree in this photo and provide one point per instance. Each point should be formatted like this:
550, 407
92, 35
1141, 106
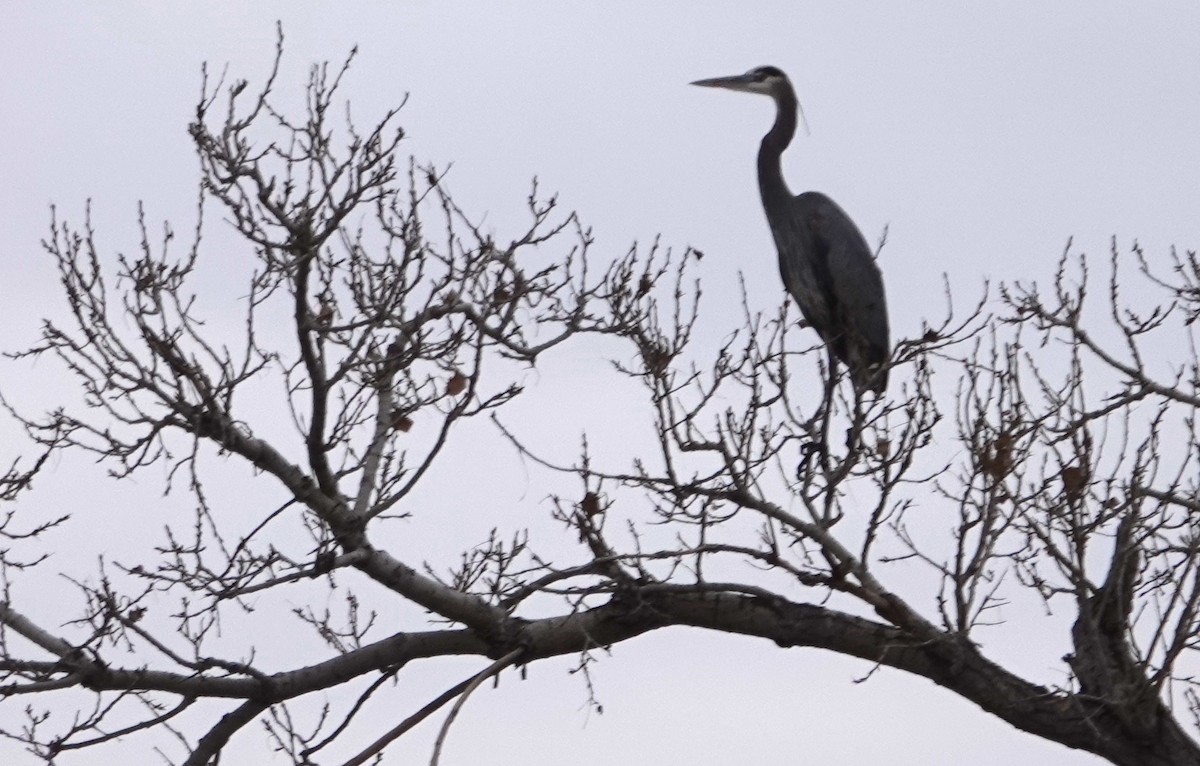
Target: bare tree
1061, 462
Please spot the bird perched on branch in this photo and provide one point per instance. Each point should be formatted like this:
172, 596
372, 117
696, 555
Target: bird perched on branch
824, 260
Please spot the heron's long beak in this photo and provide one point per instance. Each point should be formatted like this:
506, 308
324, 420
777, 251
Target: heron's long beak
736, 82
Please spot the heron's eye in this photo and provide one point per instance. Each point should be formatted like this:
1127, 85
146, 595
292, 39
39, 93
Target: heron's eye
765, 73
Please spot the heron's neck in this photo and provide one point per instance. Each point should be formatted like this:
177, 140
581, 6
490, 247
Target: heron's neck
771, 185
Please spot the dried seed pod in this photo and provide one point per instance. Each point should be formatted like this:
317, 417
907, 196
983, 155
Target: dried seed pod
1075, 482
401, 422
395, 348
644, 285
997, 462
325, 315
590, 505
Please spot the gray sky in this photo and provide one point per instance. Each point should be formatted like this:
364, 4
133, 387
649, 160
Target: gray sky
983, 135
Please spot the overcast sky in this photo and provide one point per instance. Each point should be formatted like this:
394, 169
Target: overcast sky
984, 135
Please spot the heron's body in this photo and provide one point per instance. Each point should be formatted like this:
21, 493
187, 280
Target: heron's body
824, 260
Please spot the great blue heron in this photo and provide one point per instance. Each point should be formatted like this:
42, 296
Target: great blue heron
825, 262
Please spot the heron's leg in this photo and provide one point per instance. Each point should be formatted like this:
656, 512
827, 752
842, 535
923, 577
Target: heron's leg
854, 432
818, 443
826, 413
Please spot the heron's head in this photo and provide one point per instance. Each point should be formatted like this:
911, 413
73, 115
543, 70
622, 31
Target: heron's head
767, 80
